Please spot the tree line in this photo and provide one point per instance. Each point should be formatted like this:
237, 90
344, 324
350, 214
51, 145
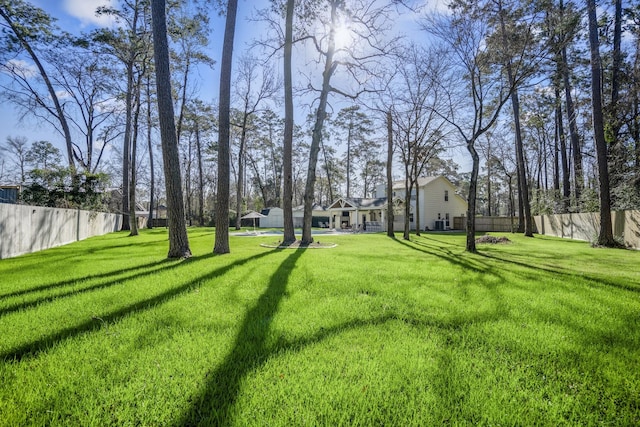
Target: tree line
539, 96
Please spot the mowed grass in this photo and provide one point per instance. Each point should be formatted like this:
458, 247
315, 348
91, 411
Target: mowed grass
373, 332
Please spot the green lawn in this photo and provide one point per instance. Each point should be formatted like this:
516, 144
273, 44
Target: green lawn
373, 332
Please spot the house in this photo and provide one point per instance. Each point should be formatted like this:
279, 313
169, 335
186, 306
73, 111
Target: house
274, 217
358, 213
9, 193
439, 203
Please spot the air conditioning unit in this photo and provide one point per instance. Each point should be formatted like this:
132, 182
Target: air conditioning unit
440, 225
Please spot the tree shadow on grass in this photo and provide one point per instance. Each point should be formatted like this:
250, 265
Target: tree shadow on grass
214, 406
444, 253
113, 278
569, 274
32, 348
69, 282
249, 351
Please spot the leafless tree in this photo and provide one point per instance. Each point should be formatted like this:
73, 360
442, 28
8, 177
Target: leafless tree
475, 82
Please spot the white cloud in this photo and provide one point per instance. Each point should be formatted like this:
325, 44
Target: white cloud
63, 94
85, 11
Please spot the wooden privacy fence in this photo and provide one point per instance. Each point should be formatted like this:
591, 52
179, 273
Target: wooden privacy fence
586, 226
500, 224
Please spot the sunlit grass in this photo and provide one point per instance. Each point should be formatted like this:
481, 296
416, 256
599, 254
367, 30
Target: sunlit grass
373, 332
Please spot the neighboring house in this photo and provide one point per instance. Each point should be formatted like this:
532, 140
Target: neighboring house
319, 216
439, 203
9, 193
274, 217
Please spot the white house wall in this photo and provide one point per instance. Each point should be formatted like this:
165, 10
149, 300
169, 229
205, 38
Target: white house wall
275, 219
432, 202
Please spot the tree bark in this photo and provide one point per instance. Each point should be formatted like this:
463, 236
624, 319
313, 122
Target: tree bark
523, 184
605, 237
200, 177
390, 219
576, 148
316, 137
287, 194
151, 165
471, 207
222, 199
126, 150
566, 178
616, 148
178, 239
134, 150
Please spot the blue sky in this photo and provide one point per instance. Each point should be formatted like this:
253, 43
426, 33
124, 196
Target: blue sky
76, 16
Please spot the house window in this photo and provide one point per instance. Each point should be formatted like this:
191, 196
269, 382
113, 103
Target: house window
446, 195
410, 217
446, 218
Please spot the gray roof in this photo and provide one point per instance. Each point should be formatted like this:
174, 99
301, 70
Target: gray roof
362, 203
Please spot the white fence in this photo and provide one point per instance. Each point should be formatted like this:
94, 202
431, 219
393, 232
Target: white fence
25, 229
586, 226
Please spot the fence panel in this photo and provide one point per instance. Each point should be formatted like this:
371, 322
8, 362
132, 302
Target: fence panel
586, 226
25, 229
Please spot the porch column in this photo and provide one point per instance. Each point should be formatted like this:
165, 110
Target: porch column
356, 223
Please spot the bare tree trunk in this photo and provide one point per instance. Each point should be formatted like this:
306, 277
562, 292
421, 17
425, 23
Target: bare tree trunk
126, 151
523, 184
183, 100
471, 208
489, 195
605, 237
348, 161
241, 173
222, 202
390, 219
616, 148
287, 166
566, 183
525, 214
150, 147
573, 131
134, 150
178, 239
327, 168
316, 137
200, 177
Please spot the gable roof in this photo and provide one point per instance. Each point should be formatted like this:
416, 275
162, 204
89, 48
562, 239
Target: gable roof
358, 203
316, 207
